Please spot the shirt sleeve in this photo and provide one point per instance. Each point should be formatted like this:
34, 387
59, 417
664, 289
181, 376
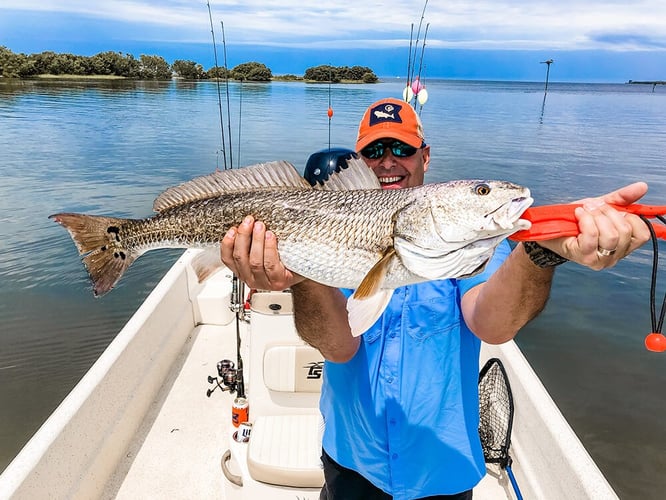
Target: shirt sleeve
502, 252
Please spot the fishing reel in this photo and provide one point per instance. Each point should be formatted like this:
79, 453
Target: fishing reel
227, 379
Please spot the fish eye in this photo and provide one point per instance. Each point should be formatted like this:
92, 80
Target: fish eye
482, 189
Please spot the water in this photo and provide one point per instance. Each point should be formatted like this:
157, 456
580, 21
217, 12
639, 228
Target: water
112, 147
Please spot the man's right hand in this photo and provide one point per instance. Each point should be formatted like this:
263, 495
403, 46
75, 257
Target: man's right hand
251, 252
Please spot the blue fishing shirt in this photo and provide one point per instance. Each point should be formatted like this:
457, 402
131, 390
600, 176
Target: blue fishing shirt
404, 411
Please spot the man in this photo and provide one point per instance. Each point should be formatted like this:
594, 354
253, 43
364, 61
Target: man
400, 402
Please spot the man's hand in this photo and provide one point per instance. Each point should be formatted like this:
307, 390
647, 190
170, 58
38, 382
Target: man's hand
606, 235
252, 253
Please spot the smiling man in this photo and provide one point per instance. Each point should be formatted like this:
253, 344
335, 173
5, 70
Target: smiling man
391, 141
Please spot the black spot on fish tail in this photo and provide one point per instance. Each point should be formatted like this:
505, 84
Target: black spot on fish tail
105, 259
115, 230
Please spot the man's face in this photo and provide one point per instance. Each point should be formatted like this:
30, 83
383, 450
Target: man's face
397, 172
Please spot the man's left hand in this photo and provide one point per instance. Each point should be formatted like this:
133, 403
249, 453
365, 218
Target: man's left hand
606, 235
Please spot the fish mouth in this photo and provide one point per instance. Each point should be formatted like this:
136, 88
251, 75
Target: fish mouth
493, 228
507, 216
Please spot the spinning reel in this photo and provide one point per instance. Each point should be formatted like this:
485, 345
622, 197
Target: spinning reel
227, 379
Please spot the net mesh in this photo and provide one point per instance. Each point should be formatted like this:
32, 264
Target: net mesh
496, 413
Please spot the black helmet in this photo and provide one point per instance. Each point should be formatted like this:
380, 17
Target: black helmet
323, 163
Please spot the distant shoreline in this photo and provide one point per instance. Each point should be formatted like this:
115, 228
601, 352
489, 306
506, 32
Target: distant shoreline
278, 78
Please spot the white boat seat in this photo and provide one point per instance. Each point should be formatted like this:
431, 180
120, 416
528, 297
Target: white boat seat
285, 450
293, 368
284, 386
284, 374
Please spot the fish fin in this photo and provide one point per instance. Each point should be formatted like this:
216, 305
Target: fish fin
364, 313
206, 263
375, 277
357, 175
271, 175
97, 239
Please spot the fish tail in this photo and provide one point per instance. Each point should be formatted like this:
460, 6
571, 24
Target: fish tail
104, 253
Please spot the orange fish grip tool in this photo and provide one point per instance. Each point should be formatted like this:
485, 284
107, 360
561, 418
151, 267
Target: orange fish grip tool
557, 221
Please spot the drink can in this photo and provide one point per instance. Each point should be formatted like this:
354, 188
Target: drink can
242, 435
240, 411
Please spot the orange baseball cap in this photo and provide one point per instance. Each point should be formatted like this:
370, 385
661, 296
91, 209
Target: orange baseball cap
392, 118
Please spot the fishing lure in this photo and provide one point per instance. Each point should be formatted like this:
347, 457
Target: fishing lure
557, 221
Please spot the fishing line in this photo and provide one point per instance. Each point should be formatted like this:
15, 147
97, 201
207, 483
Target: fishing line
656, 325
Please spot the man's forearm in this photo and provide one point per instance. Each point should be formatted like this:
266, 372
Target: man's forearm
320, 315
514, 294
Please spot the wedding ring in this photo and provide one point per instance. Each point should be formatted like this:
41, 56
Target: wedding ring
603, 252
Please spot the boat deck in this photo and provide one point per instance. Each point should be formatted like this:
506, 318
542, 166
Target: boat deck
177, 450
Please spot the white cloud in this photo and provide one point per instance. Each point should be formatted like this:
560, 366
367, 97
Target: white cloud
505, 24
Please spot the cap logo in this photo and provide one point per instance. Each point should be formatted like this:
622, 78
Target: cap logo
385, 113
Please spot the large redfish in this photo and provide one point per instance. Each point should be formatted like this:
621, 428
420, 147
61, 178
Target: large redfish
348, 233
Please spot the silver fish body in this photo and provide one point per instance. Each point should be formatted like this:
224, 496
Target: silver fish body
338, 235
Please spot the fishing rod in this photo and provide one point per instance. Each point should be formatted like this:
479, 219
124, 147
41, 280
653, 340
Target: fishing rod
217, 79
240, 118
226, 84
232, 378
409, 57
422, 94
330, 109
415, 88
418, 33
425, 36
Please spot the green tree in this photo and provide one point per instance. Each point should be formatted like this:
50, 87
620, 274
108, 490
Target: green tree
15, 65
218, 72
327, 73
370, 77
128, 66
113, 63
323, 73
188, 70
252, 71
356, 73
154, 68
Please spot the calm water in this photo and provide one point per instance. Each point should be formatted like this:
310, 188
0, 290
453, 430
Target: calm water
112, 147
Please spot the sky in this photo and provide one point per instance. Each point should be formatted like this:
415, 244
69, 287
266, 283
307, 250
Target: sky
589, 40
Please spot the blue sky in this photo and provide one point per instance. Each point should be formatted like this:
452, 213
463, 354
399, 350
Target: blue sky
590, 40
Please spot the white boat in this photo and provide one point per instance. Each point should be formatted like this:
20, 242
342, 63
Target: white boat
140, 424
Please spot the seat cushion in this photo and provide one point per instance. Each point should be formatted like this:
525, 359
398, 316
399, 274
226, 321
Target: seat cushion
286, 450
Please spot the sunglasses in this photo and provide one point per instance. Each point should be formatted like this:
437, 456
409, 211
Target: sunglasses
399, 149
